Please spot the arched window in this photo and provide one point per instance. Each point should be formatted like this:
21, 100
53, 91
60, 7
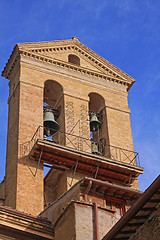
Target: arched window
74, 59
97, 113
54, 99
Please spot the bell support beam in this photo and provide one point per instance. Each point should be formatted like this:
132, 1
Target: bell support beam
90, 168
87, 163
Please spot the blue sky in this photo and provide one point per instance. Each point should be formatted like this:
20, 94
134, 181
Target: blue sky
125, 32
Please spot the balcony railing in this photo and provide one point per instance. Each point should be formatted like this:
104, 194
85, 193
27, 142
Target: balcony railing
81, 144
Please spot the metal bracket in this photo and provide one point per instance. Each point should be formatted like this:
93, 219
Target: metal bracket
96, 172
75, 168
39, 161
129, 177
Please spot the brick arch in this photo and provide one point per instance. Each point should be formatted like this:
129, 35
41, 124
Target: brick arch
52, 92
97, 105
96, 102
54, 97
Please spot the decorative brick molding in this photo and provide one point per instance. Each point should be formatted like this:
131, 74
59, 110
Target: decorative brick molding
38, 51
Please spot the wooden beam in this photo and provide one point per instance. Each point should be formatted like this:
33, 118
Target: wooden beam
127, 232
154, 200
141, 217
135, 224
145, 209
120, 174
121, 238
100, 176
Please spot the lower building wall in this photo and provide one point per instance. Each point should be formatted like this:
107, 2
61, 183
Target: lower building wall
85, 222
55, 210
65, 228
77, 222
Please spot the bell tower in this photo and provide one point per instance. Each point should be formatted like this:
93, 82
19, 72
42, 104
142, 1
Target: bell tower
68, 110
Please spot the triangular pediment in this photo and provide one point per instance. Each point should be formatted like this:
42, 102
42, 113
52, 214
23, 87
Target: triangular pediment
89, 60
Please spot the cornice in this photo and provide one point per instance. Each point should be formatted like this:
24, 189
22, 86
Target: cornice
72, 67
74, 76
106, 63
37, 51
76, 49
89, 55
74, 44
14, 57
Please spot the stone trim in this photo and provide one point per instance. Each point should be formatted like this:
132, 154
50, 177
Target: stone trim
110, 65
72, 67
74, 76
77, 97
99, 62
81, 52
119, 109
74, 43
14, 57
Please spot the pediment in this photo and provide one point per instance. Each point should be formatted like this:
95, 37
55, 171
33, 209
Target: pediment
89, 60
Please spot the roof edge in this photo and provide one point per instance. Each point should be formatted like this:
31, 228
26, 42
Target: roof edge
135, 207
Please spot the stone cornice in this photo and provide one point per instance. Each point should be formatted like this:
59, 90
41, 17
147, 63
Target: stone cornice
74, 76
74, 44
72, 67
111, 67
14, 57
37, 51
76, 49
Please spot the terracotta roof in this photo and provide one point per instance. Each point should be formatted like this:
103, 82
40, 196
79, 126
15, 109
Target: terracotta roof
137, 214
10, 210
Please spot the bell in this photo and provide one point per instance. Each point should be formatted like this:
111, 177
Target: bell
50, 125
95, 124
94, 148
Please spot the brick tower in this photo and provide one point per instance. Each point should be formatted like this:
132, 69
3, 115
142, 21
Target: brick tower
93, 164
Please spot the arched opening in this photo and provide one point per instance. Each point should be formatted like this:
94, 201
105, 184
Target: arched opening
98, 125
53, 100
74, 59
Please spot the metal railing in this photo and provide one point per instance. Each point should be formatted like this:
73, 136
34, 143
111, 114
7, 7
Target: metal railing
82, 144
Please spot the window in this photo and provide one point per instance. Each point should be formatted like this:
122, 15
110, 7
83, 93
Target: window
118, 209
108, 204
117, 205
74, 59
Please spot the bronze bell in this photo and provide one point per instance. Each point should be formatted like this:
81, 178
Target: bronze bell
95, 124
50, 125
94, 148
